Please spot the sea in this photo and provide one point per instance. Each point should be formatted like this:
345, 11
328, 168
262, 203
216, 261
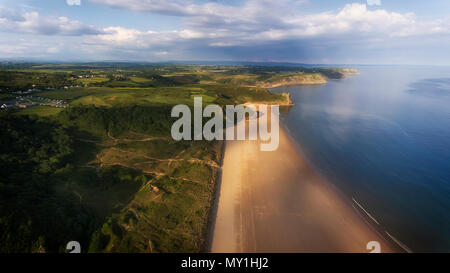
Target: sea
382, 138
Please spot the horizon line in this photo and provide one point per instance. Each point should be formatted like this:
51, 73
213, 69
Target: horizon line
203, 62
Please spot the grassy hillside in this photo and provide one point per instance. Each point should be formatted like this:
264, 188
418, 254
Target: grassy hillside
105, 171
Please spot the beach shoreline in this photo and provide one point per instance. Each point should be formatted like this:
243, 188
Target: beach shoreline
212, 215
274, 202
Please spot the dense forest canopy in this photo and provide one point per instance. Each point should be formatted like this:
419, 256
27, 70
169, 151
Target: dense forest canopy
32, 215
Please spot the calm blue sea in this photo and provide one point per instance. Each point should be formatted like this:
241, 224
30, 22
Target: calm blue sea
383, 138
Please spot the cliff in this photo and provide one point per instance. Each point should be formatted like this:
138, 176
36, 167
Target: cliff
296, 79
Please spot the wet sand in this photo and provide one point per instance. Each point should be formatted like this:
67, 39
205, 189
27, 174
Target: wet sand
274, 202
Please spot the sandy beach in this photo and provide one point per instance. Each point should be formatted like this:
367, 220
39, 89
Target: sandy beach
274, 202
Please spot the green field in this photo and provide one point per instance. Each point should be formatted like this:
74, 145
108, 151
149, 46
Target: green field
41, 111
88, 81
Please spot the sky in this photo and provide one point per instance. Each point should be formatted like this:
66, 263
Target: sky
302, 31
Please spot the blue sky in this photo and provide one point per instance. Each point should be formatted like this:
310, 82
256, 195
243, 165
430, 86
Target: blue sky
328, 31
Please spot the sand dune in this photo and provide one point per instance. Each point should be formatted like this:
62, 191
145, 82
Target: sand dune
274, 202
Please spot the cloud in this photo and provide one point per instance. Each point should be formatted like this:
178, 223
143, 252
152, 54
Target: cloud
189, 8
31, 22
172, 7
73, 2
258, 20
259, 28
12, 49
374, 2
254, 29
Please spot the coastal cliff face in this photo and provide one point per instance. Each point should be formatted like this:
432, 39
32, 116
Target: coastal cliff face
314, 78
283, 99
317, 76
287, 99
349, 71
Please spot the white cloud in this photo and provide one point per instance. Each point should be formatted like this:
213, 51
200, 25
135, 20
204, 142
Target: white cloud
54, 49
31, 22
277, 20
172, 7
121, 38
119, 34
73, 2
12, 49
258, 23
374, 2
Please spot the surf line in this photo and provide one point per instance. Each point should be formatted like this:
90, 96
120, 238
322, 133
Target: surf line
365, 211
402, 245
